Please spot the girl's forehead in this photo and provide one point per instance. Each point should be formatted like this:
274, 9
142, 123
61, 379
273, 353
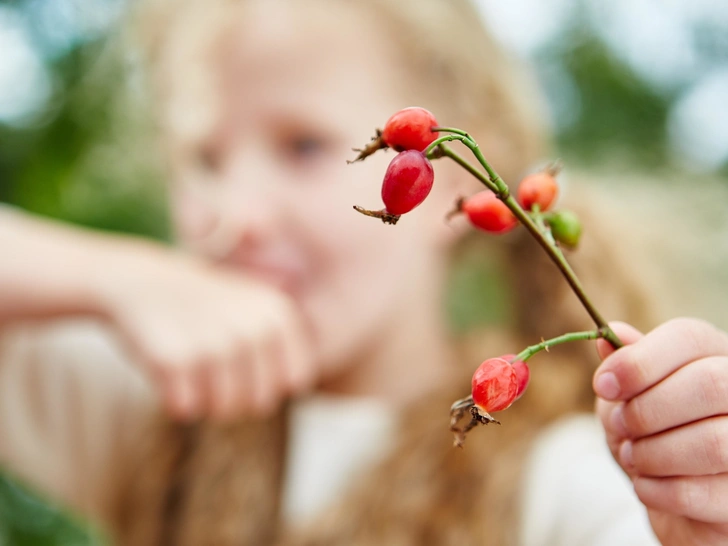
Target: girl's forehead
278, 22
284, 50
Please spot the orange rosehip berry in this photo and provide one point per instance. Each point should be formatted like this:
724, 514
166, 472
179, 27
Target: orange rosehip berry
488, 213
537, 189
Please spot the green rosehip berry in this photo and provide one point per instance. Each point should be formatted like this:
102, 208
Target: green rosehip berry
565, 227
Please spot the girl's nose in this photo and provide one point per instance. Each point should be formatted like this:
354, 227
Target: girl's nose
251, 206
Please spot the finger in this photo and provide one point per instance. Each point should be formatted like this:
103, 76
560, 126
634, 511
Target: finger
203, 382
626, 333
635, 368
604, 410
693, 392
264, 380
702, 498
296, 359
284, 365
224, 391
244, 377
696, 449
180, 396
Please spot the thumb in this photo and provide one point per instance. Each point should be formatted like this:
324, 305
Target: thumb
626, 333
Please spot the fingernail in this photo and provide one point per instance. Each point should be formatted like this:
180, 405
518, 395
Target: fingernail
625, 454
606, 386
617, 422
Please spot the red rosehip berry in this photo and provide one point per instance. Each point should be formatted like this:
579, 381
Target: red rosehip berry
485, 211
410, 129
495, 385
523, 373
537, 189
407, 182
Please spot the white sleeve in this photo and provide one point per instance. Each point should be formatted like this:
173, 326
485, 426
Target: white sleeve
70, 404
575, 494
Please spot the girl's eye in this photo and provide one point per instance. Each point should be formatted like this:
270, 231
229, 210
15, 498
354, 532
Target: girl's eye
208, 159
304, 147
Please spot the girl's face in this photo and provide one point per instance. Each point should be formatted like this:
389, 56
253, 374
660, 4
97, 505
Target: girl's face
267, 189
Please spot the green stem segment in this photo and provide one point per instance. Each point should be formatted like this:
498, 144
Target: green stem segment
446, 151
528, 352
558, 258
452, 130
496, 184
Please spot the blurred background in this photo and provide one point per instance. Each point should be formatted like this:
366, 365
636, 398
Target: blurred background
637, 92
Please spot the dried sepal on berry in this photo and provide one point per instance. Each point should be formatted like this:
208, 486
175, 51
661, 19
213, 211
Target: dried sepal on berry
377, 143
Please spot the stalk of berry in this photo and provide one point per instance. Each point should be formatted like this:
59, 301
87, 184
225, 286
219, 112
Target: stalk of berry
499, 382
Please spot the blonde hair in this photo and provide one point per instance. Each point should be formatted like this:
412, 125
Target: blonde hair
453, 64
456, 69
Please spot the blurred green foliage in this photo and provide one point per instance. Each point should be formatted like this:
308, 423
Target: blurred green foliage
621, 116
27, 519
74, 164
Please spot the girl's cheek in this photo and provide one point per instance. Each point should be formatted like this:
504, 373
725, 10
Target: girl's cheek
194, 221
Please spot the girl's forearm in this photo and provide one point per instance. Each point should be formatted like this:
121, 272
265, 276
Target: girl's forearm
47, 268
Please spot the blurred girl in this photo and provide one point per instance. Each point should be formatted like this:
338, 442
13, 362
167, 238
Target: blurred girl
301, 349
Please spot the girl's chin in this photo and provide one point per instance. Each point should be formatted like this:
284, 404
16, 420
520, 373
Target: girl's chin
282, 281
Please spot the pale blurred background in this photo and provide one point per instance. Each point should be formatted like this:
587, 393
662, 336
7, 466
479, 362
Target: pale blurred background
637, 92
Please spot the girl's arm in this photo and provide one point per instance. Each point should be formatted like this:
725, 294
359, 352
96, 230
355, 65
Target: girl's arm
47, 269
213, 342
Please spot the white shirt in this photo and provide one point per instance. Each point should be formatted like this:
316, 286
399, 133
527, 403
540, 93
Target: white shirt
574, 492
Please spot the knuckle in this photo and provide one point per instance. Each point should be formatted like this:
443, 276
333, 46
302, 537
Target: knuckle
269, 335
264, 402
638, 417
259, 331
698, 336
160, 363
713, 383
200, 361
685, 324
275, 303
693, 333
632, 370
690, 496
242, 354
715, 444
